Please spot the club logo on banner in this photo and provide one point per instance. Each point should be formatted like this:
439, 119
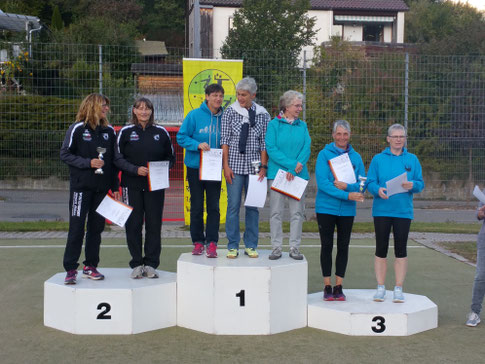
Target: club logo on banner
198, 74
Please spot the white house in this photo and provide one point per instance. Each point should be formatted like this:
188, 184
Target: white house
380, 21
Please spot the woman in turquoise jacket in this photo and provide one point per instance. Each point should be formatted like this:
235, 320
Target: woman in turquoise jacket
335, 206
395, 211
201, 131
288, 146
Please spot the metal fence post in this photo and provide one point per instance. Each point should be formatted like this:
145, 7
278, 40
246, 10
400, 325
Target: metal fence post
100, 48
304, 85
406, 90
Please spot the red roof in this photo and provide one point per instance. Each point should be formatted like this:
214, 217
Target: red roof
374, 5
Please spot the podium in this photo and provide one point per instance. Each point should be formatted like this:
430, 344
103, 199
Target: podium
360, 315
115, 305
243, 296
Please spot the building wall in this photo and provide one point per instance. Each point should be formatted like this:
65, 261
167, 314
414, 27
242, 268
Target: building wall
400, 27
220, 28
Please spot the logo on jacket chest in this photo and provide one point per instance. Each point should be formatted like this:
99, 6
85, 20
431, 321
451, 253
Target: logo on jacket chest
105, 136
87, 136
156, 137
134, 136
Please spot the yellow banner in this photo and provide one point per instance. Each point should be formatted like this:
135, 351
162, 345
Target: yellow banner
198, 74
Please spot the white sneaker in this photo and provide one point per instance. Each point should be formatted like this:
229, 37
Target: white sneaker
398, 296
472, 319
137, 272
150, 272
380, 295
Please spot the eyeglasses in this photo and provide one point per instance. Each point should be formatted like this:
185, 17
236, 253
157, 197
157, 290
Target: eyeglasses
397, 137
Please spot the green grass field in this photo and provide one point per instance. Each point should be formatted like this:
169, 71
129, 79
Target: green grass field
24, 338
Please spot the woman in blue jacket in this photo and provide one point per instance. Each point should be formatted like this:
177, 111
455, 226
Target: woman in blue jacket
395, 211
335, 206
201, 131
288, 147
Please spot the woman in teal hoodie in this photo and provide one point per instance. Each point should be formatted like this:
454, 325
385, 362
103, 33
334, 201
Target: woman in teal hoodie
395, 211
288, 146
201, 131
335, 206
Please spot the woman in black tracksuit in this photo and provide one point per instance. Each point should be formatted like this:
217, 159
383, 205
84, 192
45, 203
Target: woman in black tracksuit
87, 187
138, 144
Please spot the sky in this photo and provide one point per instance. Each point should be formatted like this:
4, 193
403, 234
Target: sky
479, 4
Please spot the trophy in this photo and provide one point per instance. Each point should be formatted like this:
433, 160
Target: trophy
362, 183
100, 150
256, 165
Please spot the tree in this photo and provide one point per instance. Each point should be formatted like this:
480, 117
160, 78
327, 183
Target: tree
269, 35
56, 21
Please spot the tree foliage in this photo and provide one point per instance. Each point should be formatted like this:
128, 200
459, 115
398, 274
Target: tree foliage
444, 27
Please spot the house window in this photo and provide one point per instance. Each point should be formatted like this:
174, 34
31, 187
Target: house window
230, 23
373, 33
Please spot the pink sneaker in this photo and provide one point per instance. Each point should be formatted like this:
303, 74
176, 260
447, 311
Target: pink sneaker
198, 249
211, 251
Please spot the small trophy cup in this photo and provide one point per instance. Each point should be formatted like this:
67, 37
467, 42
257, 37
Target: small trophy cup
362, 183
100, 150
256, 165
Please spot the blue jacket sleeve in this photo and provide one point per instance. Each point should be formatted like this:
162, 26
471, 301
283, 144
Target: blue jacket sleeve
305, 152
373, 178
273, 151
418, 183
324, 183
184, 135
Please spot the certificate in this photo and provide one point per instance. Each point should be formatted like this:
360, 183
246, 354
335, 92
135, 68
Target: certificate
257, 190
479, 194
342, 169
115, 211
294, 188
158, 175
394, 186
210, 165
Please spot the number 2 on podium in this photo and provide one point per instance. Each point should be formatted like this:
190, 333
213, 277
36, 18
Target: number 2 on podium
242, 298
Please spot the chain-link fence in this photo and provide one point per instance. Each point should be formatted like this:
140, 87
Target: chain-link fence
441, 99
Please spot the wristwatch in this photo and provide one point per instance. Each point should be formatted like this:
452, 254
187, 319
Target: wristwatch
264, 166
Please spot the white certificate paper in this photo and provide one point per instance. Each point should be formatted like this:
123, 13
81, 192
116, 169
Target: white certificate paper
293, 189
158, 175
342, 169
115, 211
256, 195
477, 192
394, 186
211, 165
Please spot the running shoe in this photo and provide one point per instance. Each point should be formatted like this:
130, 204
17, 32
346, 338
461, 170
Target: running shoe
295, 253
211, 251
71, 277
328, 294
137, 272
198, 249
232, 253
472, 319
338, 294
398, 296
92, 273
275, 254
380, 295
251, 252
150, 272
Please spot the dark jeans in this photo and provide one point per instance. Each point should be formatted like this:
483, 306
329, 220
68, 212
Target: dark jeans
212, 195
326, 227
400, 230
83, 204
146, 205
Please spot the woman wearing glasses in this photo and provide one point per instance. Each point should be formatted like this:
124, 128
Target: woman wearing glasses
393, 211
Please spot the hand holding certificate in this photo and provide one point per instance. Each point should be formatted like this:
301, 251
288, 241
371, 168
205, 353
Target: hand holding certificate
158, 175
113, 210
294, 188
210, 165
394, 186
342, 169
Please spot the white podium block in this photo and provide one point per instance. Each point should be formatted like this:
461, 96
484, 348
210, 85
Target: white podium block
115, 305
360, 315
243, 296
